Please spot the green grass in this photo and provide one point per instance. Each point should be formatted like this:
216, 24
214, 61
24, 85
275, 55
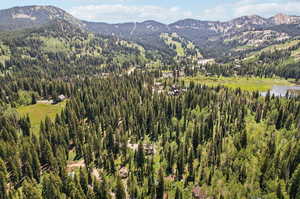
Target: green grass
248, 84
283, 46
169, 41
4, 58
5, 53
133, 45
38, 113
53, 44
244, 47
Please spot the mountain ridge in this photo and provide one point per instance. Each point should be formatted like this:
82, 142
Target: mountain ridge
279, 18
219, 38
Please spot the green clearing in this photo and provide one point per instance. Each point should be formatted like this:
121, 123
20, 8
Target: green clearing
133, 45
53, 44
4, 53
169, 40
38, 113
283, 46
248, 84
4, 58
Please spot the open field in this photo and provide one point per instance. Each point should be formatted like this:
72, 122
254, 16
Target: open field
248, 84
38, 113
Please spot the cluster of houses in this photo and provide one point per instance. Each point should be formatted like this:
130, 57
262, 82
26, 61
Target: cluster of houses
158, 87
206, 61
148, 148
173, 91
173, 74
176, 91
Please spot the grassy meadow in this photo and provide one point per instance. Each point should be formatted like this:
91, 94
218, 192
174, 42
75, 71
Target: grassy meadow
38, 113
248, 84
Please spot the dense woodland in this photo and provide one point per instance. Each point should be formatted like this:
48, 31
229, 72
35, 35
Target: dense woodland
119, 138
213, 142
266, 64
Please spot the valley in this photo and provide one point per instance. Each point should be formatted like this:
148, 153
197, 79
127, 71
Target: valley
145, 110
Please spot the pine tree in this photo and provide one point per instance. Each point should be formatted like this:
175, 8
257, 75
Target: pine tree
120, 190
25, 125
83, 180
33, 99
161, 185
294, 189
178, 194
51, 187
140, 157
30, 190
3, 180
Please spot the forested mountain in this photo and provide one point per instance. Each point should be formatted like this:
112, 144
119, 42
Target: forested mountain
247, 33
61, 48
102, 111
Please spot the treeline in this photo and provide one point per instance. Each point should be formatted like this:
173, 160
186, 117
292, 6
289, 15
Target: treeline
60, 50
132, 142
260, 68
13, 90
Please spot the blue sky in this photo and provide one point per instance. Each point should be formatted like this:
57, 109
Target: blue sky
166, 11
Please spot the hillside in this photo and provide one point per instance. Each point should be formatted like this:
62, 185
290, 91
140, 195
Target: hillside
216, 39
33, 16
189, 110
62, 48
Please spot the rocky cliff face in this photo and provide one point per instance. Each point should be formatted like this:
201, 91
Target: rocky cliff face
284, 19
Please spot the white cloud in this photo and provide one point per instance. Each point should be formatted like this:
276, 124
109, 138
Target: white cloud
123, 13
120, 12
228, 11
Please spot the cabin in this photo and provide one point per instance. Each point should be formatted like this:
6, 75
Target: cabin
175, 91
205, 61
123, 173
149, 150
61, 98
167, 74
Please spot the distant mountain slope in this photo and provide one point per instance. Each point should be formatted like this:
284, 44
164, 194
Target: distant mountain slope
33, 16
61, 48
216, 39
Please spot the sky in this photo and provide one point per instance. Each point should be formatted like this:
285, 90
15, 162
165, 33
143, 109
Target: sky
166, 11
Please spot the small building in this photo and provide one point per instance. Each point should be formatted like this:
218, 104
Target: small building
124, 173
149, 150
167, 74
58, 99
61, 98
175, 91
206, 61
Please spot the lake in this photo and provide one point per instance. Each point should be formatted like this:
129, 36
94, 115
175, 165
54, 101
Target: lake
282, 90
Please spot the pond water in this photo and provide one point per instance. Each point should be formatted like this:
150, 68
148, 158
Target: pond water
282, 90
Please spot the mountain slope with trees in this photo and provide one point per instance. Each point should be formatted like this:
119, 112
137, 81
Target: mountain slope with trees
61, 48
244, 33
125, 128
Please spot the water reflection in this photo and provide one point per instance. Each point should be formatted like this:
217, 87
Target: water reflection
282, 91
